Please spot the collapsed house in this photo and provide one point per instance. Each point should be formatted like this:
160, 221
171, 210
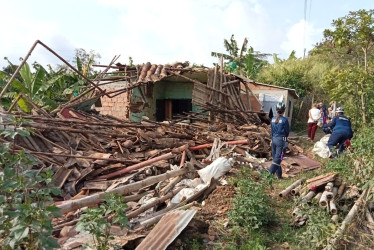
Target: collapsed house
160, 167
166, 92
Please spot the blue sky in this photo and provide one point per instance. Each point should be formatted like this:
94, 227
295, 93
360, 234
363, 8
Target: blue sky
164, 31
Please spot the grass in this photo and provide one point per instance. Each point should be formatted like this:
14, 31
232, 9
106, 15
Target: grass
281, 234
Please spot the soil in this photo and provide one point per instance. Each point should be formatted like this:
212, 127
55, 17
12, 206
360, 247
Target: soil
208, 225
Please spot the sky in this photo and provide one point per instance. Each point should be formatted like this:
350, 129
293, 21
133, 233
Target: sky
164, 31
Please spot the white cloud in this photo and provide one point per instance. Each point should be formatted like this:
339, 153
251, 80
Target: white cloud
161, 31
299, 36
21, 33
167, 31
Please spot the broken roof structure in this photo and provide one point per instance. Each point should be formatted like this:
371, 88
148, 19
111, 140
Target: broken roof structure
164, 92
151, 163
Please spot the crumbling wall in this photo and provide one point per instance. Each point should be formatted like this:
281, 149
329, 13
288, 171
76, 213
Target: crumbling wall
117, 106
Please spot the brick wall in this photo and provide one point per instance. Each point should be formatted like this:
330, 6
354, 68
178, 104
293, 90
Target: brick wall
117, 106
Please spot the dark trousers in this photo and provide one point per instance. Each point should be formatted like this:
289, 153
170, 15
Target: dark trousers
338, 138
277, 146
312, 127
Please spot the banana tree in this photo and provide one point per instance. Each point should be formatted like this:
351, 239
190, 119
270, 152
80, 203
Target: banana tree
33, 85
246, 62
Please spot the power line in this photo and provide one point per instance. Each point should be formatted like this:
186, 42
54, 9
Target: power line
305, 11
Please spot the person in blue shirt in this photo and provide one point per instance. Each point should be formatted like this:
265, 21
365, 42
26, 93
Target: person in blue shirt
280, 129
341, 131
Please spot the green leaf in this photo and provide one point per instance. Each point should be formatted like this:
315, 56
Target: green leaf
38, 80
79, 64
24, 105
23, 132
19, 86
54, 210
27, 77
2, 198
9, 133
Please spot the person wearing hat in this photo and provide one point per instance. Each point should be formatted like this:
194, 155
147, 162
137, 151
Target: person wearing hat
280, 129
341, 131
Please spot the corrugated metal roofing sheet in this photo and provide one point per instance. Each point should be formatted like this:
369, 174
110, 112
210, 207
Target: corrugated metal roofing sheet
167, 229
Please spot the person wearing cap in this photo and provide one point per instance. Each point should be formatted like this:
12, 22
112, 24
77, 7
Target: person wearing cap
279, 132
341, 131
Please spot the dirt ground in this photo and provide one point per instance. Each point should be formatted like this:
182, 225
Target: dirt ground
208, 226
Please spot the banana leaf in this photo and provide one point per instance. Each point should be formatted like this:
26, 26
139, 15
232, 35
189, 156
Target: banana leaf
38, 80
26, 76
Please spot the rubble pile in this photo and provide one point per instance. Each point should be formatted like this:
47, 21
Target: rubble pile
150, 163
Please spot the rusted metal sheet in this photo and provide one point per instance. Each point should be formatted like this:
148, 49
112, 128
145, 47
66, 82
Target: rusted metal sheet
166, 230
292, 165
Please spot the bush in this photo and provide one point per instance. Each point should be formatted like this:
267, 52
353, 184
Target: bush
359, 160
25, 219
251, 204
318, 228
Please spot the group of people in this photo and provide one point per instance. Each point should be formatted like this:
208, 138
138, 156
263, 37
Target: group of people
338, 126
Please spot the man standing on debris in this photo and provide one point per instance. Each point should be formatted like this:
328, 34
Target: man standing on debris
280, 129
341, 131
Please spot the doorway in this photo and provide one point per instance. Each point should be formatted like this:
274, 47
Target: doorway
169, 109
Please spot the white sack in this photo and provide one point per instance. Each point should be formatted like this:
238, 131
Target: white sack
216, 169
321, 148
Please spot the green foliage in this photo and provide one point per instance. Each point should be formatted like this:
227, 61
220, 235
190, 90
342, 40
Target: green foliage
194, 244
351, 87
303, 75
354, 35
48, 88
350, 45
25, 217
95, 220
318, 228
357, 166
245, 62
251, 203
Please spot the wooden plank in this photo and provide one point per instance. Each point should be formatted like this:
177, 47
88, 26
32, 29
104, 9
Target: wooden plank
97, 185
60, 176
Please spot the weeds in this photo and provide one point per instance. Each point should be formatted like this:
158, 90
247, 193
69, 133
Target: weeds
318, 228
96, 220
251, 204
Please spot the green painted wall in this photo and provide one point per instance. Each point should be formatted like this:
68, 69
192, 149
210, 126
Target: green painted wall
162, 90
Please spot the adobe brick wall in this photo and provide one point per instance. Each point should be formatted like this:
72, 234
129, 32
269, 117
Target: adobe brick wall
117, 106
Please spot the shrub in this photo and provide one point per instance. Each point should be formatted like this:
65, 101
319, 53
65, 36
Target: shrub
359, 160
96, 221
251, 204
25, 219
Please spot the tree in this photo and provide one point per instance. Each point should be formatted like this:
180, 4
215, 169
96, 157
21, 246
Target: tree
346, 85
48, 88
34, 85
248, 59
351, 41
